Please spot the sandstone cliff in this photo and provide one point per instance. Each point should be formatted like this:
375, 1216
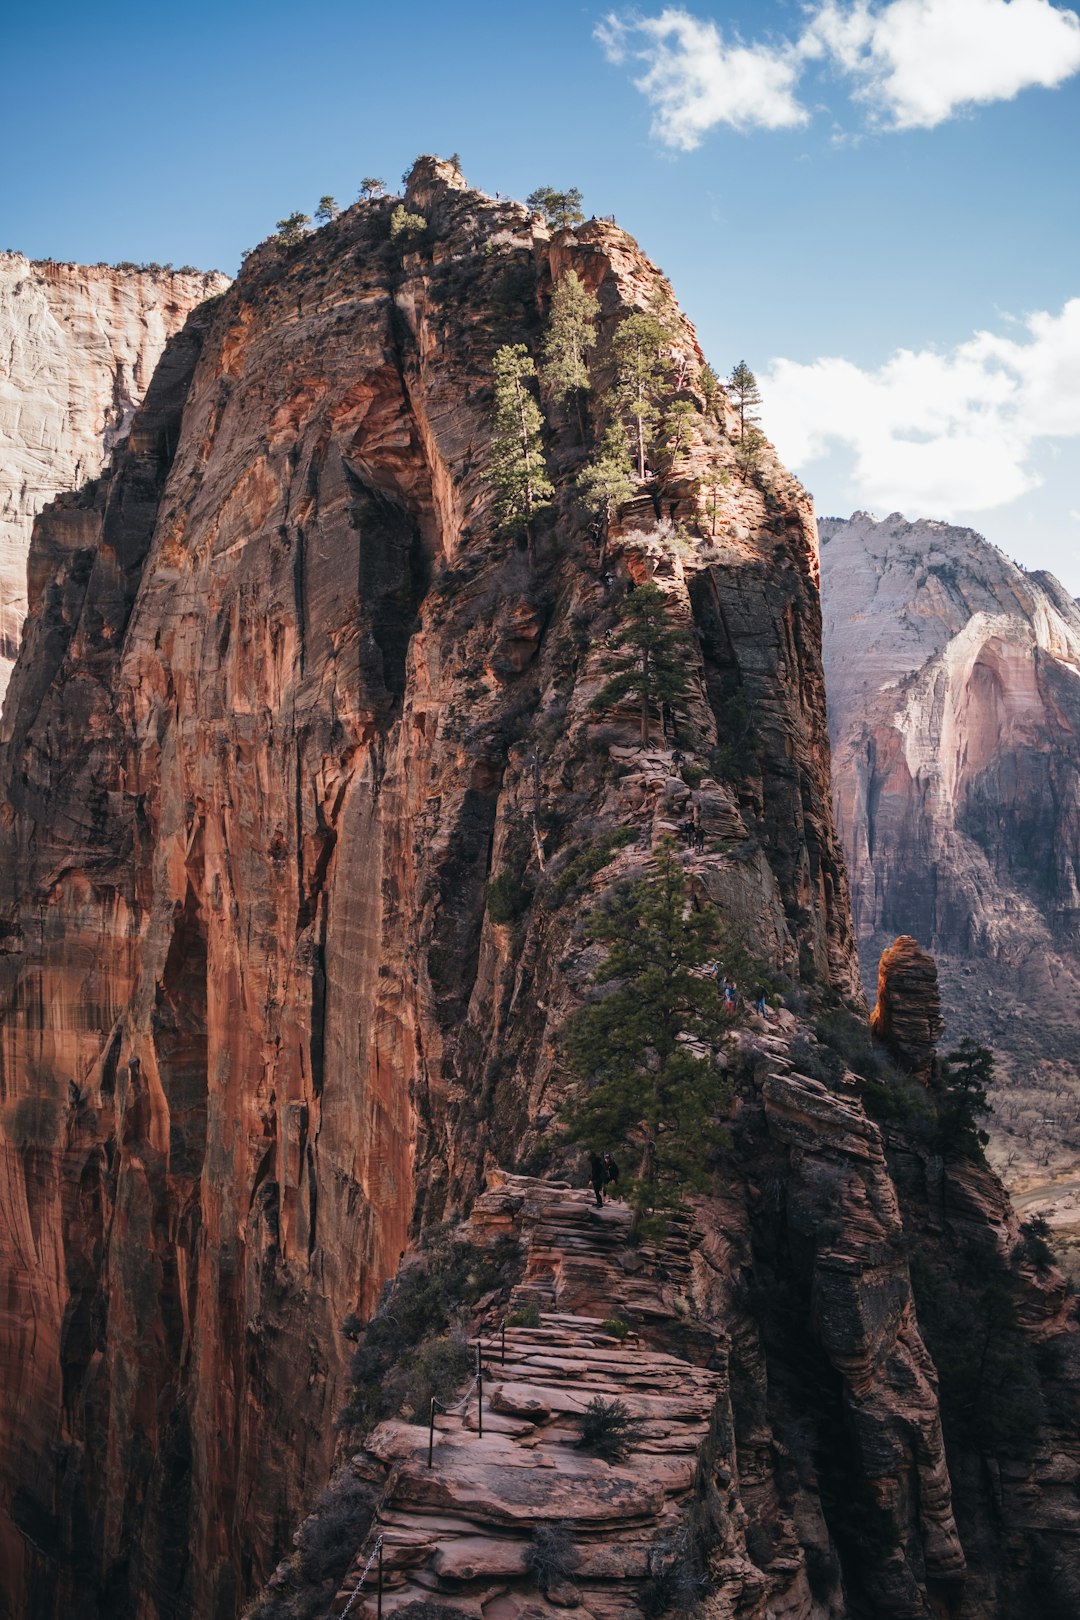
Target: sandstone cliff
954, 704
80, 343
284, 707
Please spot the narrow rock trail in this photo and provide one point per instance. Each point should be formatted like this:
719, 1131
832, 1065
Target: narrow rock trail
458, 1534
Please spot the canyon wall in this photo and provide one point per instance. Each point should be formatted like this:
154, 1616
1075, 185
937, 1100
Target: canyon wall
286, 704
80, 343
954, 708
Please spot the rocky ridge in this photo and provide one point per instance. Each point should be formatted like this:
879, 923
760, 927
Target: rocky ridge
80, 345
285, 706
954, 706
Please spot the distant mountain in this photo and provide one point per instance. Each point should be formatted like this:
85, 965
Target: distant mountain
953, 680
80, 343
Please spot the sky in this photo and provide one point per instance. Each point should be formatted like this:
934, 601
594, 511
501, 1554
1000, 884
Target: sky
873, 202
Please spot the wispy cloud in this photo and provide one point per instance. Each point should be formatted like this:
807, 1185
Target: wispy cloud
911, 64
932, 433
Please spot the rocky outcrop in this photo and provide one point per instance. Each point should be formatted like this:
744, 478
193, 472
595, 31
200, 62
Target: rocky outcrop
954, 711
80, 344
907, 1014
286, 704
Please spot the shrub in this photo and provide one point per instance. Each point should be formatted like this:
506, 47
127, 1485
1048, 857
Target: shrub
327, 1541
33, 1121
608, 1430
527, 1316
677, 1578
407, 230
436, 1370
552, 1555
507, 897
616, 1327
1033, 1246
579, 871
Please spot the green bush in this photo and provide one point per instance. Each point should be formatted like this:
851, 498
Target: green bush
617, 1328
552, 1555
437, 1370
608, 1430
407, 230
507, 898
578, 872
527, 1316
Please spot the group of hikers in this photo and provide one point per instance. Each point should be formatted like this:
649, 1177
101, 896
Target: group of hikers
603, 1172
733, 996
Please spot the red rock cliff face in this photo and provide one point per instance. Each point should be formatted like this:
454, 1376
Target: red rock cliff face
283, 708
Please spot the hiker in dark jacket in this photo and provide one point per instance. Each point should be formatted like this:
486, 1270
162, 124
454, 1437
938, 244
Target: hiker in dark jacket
611, 1170
597, 1176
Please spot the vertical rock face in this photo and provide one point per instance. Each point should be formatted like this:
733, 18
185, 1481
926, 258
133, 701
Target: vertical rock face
285, 705
907, 1014
954, 706
80, 343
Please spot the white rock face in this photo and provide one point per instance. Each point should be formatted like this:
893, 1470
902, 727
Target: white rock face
953, 680
78, 345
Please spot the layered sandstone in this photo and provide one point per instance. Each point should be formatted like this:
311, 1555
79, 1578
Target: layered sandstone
285, 705
954, 711
80, 343
907, 1014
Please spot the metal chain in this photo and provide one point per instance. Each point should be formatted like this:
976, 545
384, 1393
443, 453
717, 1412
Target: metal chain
359, 1585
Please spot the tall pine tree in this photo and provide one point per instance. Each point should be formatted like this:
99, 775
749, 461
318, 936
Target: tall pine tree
745, 395
645, 1087
608, 481
641, 350
649, 661
517, 470
571, 333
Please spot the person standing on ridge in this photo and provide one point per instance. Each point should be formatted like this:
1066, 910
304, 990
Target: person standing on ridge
597, 1176
611, 1171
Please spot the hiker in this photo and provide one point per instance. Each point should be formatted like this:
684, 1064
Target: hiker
597, 1176
730, 994
759, 1001
611, 1170
699, 838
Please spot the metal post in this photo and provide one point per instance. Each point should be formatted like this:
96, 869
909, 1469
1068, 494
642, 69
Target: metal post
504, 1343
478, 1356
480, 1402
431, 1433
378, 1607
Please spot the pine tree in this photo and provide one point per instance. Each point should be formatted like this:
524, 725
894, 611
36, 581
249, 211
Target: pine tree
676, 431
608, 480
711, 391
746, 396
292, 229
407, 230
561, 209
518, 471
963, 1081
371, 187
645, 1086
639, 348
748, 451
653, 666
570, 335
327, 210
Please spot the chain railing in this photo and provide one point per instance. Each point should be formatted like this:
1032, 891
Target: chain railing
376, 1553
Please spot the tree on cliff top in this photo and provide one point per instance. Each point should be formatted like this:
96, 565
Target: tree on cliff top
561, 209
649, 660
517, 470
571, 333
371, 187
327, 210
292, 229
646, 1088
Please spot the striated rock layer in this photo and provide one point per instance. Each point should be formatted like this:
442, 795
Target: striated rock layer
80, 343
907, 1013
954, 711
284, 707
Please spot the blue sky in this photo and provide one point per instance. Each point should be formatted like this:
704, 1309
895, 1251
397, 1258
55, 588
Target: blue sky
844, 193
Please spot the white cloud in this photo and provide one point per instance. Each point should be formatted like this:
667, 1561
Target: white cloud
696, 79
919, 61
935, 434
912, 63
